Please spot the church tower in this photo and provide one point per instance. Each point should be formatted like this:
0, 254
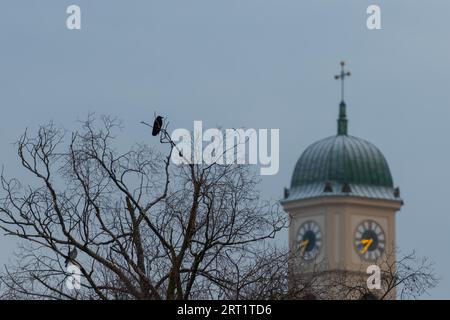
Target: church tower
342, 205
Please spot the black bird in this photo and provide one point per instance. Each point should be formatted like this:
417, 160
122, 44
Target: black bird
157, 126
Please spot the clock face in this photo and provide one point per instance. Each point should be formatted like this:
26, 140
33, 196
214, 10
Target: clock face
369, 240
309, 240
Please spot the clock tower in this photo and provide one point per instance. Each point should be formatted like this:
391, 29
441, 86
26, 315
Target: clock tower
342, 205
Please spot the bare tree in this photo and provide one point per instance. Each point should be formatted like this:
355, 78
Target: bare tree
136, 226
283, 275
407, 277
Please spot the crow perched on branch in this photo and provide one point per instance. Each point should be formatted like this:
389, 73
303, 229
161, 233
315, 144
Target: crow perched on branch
157, 126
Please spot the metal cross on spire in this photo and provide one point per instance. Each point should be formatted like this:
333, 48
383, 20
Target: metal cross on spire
341, 77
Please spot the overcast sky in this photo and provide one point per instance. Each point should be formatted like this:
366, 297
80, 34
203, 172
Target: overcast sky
247, 63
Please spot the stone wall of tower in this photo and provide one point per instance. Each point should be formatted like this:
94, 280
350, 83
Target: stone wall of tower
338, 272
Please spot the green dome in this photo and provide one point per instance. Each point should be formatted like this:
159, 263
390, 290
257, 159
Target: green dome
342, 159
342, 165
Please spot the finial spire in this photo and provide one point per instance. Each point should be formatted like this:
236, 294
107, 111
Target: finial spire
342, 77
342, 121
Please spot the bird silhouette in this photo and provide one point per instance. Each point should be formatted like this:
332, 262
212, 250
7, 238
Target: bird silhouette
71, 256
157, 126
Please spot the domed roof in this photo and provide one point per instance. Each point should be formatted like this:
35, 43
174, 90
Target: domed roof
342, 165
342, 159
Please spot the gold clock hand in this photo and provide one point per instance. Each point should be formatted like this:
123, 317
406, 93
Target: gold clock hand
303, 246
367, 243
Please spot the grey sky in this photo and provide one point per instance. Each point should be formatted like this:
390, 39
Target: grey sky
252, 63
